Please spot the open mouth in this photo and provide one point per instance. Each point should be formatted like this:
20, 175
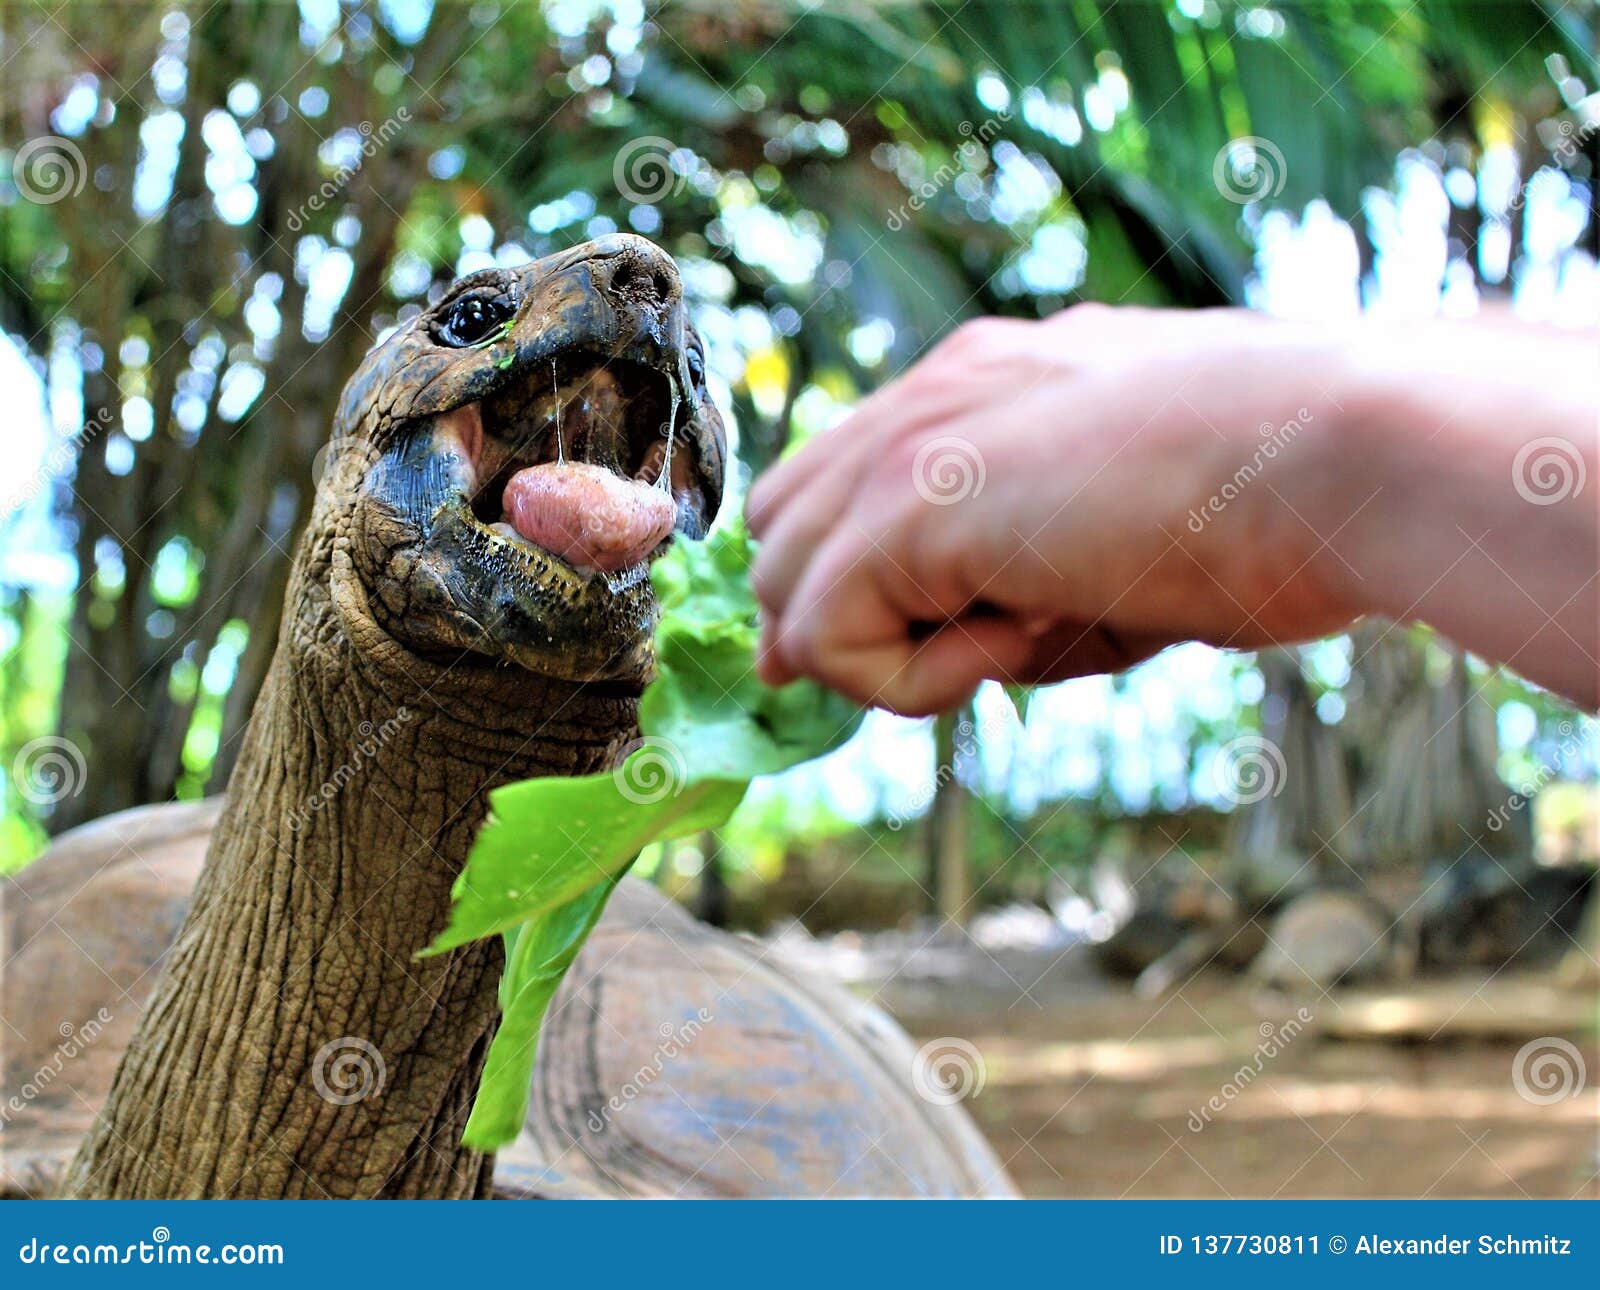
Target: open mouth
579, 459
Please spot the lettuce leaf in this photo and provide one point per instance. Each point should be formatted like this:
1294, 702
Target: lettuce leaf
553, 850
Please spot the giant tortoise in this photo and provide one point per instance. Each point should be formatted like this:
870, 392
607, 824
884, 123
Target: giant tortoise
206, 1000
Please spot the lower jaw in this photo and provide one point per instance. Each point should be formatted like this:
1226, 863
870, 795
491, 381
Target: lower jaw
546, 567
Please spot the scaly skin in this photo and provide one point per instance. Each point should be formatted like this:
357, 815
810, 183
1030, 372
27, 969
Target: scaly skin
419, 666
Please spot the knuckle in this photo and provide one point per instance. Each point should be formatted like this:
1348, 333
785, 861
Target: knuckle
979, 334
764, 581
1089, 316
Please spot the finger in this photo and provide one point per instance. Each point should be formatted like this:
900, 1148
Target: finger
887, 413
782, 558
785, 481
1072, 648
817, 509
849, 625
919, 677
776, 486
942, 671
770, 665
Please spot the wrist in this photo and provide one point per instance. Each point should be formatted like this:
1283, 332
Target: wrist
1323, 515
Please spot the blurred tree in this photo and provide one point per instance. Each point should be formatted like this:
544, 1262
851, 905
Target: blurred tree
254, 191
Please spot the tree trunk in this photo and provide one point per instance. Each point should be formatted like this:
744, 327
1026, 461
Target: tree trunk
949, 876
1406, 777
711, 897
237, 493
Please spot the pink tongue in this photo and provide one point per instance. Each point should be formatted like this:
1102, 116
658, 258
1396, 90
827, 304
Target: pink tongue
589, 516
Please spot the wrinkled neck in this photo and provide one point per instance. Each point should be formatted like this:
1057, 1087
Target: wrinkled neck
296, 1047
346, 741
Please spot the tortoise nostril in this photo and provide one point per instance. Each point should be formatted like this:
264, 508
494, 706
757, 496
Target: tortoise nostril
642, 284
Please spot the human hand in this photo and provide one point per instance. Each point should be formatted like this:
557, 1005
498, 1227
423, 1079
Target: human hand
1038, 500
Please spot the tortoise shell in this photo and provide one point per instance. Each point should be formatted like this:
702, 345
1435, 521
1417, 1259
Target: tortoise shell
768, 1084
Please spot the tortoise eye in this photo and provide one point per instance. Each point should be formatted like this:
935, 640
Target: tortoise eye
472, 320
697, 370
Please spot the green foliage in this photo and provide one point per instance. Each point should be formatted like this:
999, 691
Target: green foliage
33, 645
547, 841
553, 849
708, 705
538, 955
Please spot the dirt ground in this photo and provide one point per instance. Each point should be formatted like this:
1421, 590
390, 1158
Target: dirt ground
1099, 1093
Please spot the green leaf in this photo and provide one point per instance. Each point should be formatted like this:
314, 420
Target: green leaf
547, 841
708, 706
710, 709
537, 957
552, 850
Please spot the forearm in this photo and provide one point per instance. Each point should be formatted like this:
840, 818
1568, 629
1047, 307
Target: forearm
1139, 477
1471, 451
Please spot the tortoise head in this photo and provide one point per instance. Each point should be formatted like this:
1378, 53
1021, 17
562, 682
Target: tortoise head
506, 465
